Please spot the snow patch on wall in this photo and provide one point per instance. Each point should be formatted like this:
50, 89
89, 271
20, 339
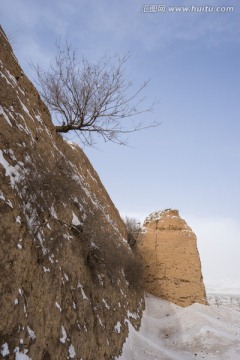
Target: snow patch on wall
19, 355
11, 171
82, 291
58, 306
75, 220
71, 352
63, 338
106, 304
4, 350
31, 333
117, 327
2, 112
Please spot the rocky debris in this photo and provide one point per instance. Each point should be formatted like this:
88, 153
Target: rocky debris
171, 259
64, 289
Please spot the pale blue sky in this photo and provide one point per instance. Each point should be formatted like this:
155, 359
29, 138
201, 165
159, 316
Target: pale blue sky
191, 161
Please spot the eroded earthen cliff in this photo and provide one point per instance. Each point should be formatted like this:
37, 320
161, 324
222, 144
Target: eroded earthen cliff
171, 259
66, 285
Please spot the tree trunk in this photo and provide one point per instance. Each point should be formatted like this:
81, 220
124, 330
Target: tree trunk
63, 128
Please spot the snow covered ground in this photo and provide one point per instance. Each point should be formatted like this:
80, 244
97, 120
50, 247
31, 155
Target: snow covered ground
169, 332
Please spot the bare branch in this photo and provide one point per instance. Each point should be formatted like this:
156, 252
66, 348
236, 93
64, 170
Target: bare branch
91, 98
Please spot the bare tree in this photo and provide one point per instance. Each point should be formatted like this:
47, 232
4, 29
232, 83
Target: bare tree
133, 227
91, 98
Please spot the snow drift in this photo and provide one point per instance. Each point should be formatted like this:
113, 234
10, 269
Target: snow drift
170, 332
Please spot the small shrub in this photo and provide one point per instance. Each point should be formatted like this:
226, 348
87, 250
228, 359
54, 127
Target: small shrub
42, 186
104, 253
134, 272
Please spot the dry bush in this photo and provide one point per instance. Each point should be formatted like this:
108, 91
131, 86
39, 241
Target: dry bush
134, 272
42, 185
107, 254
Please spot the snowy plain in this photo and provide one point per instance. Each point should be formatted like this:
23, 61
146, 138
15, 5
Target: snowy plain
170, 332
